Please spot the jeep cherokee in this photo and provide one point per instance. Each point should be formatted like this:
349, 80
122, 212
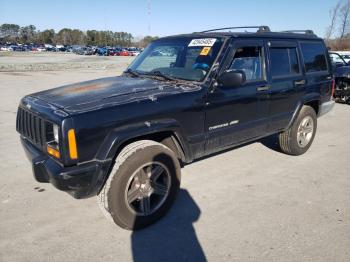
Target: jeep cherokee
184, 97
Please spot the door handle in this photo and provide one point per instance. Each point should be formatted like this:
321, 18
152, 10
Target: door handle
300, 82
263, 88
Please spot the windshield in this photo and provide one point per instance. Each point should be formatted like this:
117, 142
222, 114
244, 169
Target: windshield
180, 58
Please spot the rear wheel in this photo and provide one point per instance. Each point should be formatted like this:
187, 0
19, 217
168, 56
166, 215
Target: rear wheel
142, 185
299, 137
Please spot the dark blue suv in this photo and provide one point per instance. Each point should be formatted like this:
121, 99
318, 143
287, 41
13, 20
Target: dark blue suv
125, 138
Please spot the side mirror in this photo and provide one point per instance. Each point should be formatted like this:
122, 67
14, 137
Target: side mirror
232, 78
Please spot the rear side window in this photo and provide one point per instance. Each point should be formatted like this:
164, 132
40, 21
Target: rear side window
284, 61
314, 57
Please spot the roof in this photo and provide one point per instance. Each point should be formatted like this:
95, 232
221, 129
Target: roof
262, 32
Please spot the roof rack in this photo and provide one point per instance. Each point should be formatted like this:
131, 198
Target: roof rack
307, 32
261, 28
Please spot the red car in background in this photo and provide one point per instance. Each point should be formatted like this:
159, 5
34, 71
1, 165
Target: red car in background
123, 53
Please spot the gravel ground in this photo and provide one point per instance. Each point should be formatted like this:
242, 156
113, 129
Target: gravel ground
249, 204
42, 61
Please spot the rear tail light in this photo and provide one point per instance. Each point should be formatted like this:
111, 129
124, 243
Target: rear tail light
333, 87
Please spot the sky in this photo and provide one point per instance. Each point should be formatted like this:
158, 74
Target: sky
167, 17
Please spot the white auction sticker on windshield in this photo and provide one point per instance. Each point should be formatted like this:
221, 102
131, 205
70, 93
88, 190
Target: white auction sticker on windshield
202, 42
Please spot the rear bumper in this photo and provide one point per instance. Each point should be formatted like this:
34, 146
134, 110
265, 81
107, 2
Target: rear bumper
80, 181
326, 107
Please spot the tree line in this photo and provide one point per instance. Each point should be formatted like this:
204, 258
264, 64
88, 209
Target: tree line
29, 34
338, 32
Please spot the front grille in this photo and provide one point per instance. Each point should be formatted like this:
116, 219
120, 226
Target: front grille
31, 126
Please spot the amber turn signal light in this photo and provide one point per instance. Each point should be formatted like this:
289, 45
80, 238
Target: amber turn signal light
52, 151
73, 153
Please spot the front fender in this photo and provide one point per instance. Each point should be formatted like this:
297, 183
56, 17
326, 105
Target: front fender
119, 136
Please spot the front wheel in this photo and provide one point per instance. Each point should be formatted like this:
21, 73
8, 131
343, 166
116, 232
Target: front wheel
300, 135
142, 185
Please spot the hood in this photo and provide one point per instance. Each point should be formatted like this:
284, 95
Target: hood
343, 71
103, 92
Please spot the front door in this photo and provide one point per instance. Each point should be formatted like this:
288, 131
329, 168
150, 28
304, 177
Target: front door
238, 114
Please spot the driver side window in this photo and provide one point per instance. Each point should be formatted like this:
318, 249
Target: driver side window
249, 60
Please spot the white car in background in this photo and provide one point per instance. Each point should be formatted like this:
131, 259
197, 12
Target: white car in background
134, 53
345, 55
346, 58
5, 48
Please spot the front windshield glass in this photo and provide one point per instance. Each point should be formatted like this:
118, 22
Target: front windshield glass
179, 58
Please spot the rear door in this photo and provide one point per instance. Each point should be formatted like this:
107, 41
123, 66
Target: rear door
286, 80
317, 69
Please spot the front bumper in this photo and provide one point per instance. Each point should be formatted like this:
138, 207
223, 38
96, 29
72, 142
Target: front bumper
326, 107
80, 181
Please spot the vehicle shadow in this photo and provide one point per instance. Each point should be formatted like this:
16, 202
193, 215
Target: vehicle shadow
271, 142
173, 238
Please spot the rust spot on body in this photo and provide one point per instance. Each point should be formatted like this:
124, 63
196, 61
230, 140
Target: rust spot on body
85, 88
82, 88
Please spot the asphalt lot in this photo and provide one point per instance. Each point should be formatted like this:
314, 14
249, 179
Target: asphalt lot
249, 204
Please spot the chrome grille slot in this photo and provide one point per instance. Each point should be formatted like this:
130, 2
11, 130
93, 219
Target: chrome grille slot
31, 126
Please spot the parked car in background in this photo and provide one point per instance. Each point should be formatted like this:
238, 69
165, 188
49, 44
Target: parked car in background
341, 71
18, 48
84, 51
101, 51
134, 51
344, 54
51, 49
346, 58
5, 48
41, 48
61, 49
124, 52
77, 49
112, 51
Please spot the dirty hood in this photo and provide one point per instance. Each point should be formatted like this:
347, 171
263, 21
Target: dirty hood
103, 92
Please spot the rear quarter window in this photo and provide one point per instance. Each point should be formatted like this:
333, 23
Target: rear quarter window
314, 57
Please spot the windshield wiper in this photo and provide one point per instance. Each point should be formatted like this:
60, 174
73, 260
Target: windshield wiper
160, 74
131, 72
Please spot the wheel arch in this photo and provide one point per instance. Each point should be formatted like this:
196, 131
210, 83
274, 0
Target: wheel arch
312, 99
167, 132
168, 138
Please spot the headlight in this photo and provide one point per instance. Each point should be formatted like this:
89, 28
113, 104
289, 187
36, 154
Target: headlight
52, 140
55, 133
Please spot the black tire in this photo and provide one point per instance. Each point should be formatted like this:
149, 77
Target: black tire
288, 140
113, 198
